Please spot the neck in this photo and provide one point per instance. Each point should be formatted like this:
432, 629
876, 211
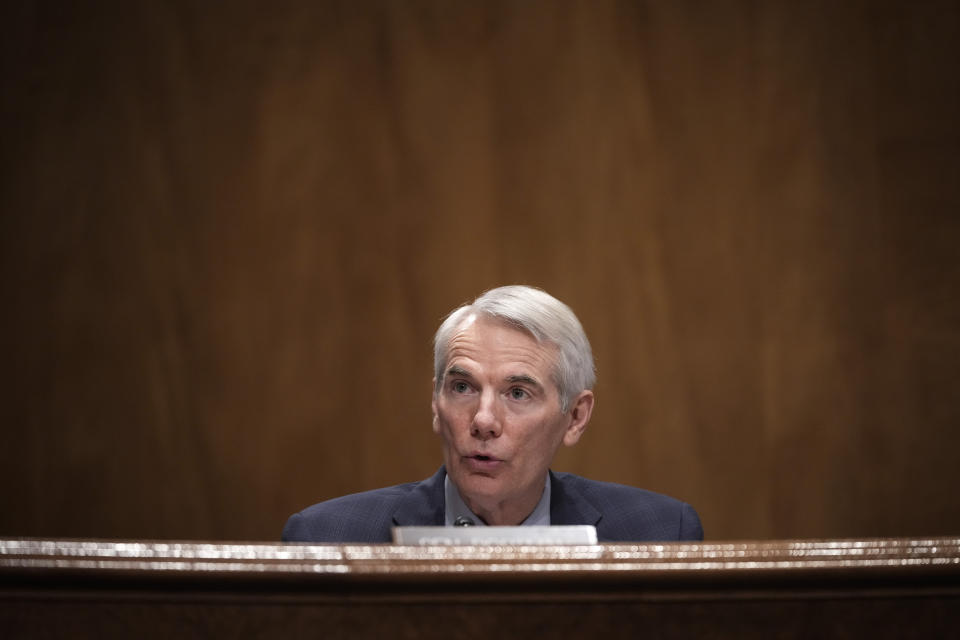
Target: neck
508, 512
501, 515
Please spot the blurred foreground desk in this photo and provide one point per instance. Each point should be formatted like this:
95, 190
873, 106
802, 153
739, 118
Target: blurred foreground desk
883, 588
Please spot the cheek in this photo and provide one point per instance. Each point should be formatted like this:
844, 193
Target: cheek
445, 422
453, 413
547, 438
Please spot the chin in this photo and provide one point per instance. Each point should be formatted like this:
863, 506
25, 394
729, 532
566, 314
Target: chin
477, 484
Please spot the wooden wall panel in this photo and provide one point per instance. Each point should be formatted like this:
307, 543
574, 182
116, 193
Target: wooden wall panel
228, 234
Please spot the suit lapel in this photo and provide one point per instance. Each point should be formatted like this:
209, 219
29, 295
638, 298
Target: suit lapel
425, 505
568, 506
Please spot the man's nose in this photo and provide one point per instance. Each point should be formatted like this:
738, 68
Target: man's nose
486, 422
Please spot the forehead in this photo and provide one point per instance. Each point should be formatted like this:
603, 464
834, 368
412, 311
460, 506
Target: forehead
492, 342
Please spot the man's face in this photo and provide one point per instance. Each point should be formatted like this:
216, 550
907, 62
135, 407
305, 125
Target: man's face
498, 411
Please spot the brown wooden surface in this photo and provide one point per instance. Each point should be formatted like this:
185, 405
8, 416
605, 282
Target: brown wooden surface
228, 231
876, 588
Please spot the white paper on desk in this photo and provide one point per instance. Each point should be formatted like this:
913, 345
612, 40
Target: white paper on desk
565, 534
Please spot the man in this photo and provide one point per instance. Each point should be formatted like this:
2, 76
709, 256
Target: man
513, 381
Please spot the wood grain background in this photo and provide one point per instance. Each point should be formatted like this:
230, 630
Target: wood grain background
229, 232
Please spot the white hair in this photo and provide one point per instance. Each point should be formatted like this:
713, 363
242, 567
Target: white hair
542, 316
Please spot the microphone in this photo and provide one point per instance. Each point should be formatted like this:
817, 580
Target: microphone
463, 521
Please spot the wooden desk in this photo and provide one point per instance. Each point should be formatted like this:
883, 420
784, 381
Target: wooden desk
878, 588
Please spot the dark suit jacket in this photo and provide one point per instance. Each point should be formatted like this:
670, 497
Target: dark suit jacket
620, 513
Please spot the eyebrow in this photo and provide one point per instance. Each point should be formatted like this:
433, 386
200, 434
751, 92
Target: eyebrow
459, 371
526, 380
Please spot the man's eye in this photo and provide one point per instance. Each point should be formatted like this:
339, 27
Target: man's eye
460, 387
517, 393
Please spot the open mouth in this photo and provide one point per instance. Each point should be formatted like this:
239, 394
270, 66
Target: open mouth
483, 462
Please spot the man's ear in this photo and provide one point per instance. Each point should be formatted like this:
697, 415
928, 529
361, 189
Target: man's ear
580, 410
433, 407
